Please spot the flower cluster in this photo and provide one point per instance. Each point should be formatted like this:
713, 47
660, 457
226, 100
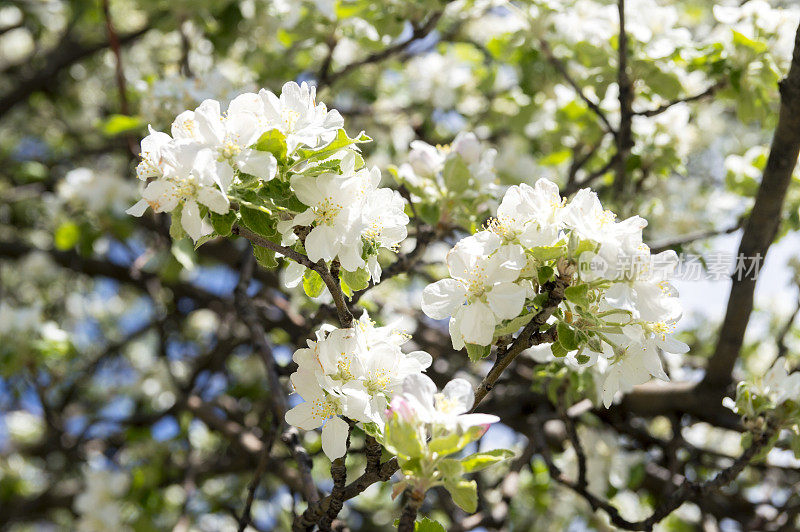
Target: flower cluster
619, 306
290, 169
775, 389
351, 372
771, 401
208, 150
424, 427
426, 163
350, 217
458, 177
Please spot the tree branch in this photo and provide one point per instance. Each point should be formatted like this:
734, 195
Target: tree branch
762, 225
531, 334
687, 99
559, 66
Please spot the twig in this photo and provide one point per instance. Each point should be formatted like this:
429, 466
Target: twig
418, 32
786, 329
687, 99
339, 476
531, 334
331, 281
573, 187
572, 434
409, 516
278, 403
658, 247
113, 41
548, 53
683, 493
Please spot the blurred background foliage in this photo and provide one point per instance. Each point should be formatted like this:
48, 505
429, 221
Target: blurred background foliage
123, 364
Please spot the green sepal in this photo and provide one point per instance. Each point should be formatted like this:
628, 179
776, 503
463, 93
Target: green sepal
477, 352
313, 285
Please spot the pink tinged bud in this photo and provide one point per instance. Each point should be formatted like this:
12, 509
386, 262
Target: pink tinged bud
402, 408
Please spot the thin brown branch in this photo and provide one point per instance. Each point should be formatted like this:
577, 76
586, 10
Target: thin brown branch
562, 69
710, 91
419, 31
531, 333
66, 54
278, 403
664, 245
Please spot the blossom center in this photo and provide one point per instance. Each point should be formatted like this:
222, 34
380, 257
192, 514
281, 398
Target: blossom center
327, 210
445, 405
289, 118
323, 408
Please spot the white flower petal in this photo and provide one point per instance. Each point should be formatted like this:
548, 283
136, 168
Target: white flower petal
441, 299
477, 324
334, 437
506, 300
214, 199
303, 416
191, 221
138, 208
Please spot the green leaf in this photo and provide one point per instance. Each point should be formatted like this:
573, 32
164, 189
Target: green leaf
176, 231
567, 336
545, 253
742, 40
450, 468
313, 285
403, 439
514, 325
578, 294
450, 443
183, 251
427, 525
357, 280
478, 461
258, 221
280, 193
66, 236
584, 245
456, 174
274, 142
555, 158
430, 213
222, 223
544, 274
558, 350
464, 494
477, 352
118, 124
203, 239
341, 141
266, 258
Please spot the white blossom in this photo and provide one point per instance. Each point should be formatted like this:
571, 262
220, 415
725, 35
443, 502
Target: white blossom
296, 114
421, 404
350, 372
481, 291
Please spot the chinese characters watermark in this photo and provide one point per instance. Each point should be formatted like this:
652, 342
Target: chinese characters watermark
716, 266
